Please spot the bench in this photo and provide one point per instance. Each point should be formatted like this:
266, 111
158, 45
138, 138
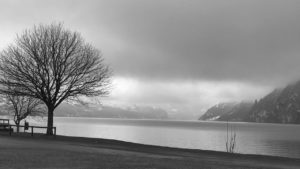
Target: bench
5, 126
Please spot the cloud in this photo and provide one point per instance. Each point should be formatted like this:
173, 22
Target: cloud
214, 40
189, 97
184, 55
255, 40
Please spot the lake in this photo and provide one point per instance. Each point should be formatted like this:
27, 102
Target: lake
251, 138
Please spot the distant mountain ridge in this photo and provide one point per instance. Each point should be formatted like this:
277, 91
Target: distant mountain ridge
215, 112
279, 106
228, 112
78, 110
100, 111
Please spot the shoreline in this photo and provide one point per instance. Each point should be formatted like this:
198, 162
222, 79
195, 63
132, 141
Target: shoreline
126, 154
165, 120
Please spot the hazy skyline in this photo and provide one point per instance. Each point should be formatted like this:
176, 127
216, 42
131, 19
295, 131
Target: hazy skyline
183, 56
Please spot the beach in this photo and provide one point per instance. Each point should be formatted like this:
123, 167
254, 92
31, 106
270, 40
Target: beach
40, 151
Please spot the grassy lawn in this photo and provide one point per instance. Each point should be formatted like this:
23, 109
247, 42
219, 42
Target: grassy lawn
23, 151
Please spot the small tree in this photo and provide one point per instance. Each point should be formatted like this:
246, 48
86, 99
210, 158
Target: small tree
53, 64
21, 106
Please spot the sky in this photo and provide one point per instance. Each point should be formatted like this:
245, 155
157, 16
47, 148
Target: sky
180, 55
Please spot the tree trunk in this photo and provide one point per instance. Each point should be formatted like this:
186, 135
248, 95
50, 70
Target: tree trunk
50, 121
18, 126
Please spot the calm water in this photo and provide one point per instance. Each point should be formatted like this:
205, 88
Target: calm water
251, 138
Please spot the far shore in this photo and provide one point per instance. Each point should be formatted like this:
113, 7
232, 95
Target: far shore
41, 151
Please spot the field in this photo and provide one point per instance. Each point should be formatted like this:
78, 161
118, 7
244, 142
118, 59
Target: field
40, 151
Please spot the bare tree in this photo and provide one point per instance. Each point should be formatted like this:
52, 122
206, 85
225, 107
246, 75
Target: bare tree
22, 106
53, 64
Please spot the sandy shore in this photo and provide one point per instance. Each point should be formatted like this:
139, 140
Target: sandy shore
23, 151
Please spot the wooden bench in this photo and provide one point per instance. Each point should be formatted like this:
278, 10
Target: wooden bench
5, 126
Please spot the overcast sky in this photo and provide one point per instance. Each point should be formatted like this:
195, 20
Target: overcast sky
182, 55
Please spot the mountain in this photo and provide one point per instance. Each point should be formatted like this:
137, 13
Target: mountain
78, 110
215, 112
228, 112
239, 112
279, 106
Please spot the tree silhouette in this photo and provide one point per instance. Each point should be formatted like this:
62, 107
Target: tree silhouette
22, 106
53, 64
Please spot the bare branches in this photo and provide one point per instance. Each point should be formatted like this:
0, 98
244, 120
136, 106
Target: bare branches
21, 106
52, 64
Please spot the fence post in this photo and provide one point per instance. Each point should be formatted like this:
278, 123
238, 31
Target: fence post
32, 131
10, 130
54, 131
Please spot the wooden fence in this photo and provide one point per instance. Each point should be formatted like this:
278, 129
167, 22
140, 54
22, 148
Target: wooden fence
6, 126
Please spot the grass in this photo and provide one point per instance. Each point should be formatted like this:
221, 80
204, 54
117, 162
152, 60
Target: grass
40, 151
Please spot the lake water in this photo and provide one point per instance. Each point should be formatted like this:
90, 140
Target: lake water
251, 138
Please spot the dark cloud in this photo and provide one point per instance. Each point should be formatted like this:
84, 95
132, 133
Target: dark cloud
181, 54
256, 40
228, 40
